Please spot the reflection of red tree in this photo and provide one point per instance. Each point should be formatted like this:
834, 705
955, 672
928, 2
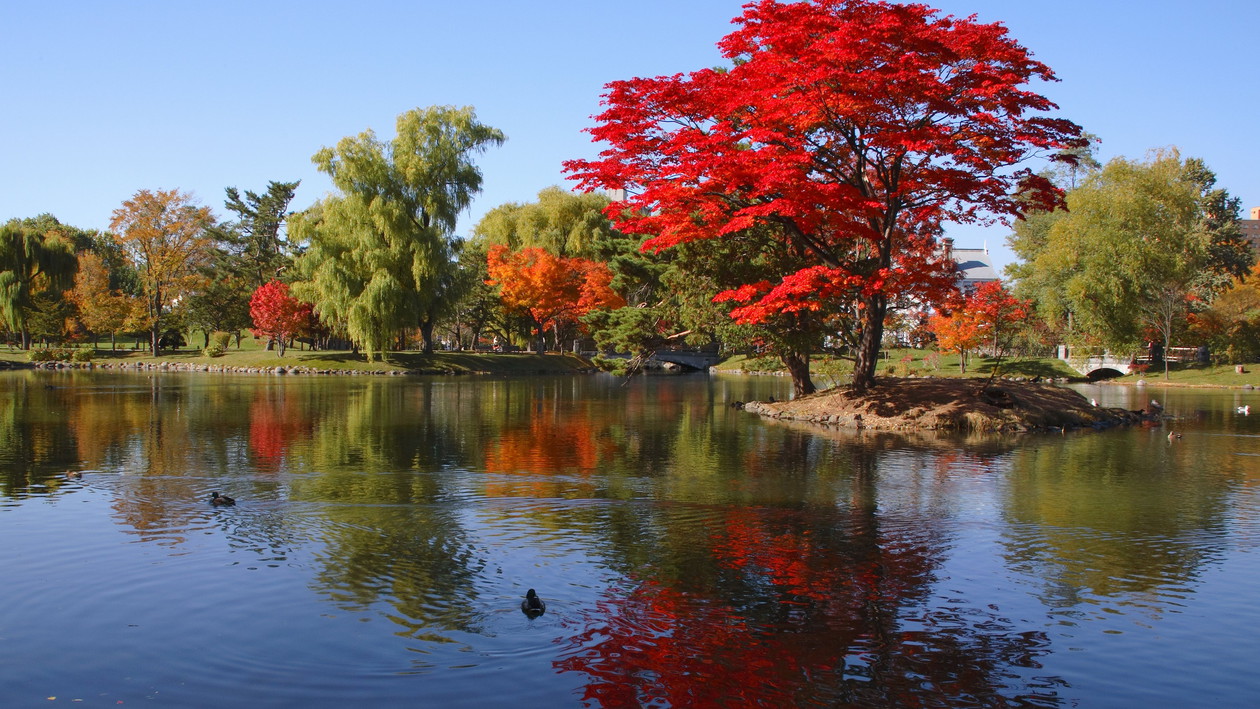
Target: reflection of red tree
824, 614
273, 426
661, 647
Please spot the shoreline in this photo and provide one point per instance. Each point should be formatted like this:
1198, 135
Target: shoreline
559, 364
950, 405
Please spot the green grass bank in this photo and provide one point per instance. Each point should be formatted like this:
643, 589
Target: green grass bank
829, 372
332, 361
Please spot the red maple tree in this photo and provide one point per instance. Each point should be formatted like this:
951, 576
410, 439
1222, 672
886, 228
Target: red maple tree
851, 129
547, 289
278, 315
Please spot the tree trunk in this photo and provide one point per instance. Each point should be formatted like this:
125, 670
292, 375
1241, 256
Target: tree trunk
869, 344
798, 366
426, 336
540, 345
1167, 344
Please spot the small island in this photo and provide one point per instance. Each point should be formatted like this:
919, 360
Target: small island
964, 405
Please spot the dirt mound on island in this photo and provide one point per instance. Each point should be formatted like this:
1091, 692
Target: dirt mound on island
948, 404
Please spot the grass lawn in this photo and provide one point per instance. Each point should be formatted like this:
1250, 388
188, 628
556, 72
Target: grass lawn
829, 371
252, 355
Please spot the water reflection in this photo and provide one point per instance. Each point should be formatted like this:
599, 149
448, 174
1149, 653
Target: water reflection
1114, 519
794, 606
690, 554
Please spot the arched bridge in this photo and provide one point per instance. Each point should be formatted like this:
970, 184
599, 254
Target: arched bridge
1098, 365
692, 359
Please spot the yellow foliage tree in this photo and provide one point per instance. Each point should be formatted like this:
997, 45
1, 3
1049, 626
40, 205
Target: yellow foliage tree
101, 310
164, 236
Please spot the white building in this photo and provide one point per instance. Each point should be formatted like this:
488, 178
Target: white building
975, 266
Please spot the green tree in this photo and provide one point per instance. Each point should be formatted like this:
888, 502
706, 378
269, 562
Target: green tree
478, 307
561, 223
164, 234
257, 236
1139, 244
220, 302
381, 257
36, 259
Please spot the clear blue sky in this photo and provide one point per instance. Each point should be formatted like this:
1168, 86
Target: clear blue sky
101, 99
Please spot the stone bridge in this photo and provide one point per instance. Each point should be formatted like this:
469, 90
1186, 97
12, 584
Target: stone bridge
692, 359
1098, 365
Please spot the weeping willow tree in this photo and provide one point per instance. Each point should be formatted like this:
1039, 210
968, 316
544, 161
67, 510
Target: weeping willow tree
35, 258
562, 223
380, 253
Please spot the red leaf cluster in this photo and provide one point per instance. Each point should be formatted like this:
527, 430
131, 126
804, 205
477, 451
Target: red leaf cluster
851, 129
276, 314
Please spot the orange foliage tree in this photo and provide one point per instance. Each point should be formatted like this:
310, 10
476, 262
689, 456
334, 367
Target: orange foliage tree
986, 316
101, 309
548, 290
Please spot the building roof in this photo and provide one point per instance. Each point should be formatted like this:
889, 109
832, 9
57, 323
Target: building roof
975, 265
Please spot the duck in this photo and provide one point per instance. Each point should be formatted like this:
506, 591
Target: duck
73, 475
1245, 410
1155, 406
1173, 435
221, 500
533, 606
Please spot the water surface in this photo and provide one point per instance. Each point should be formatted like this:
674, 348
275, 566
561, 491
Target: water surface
689, 553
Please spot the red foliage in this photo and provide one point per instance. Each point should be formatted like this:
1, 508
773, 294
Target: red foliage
278, 315
275, 422
852, 128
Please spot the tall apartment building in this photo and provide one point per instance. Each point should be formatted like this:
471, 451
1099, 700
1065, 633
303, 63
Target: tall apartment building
1251, 228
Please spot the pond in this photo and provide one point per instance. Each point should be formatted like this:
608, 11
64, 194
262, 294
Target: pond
386, 530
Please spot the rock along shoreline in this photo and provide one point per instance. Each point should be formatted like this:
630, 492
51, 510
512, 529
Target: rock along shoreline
279, 369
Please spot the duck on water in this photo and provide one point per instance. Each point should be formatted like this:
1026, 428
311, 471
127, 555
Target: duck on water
533, 606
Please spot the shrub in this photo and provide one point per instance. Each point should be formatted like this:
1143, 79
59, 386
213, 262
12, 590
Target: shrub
902, 369
932, 360
215, 350
221, 339
614, 365
52, 354
84, 355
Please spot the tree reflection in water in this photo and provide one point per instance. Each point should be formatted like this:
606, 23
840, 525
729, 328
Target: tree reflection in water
804, 607
694, 555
